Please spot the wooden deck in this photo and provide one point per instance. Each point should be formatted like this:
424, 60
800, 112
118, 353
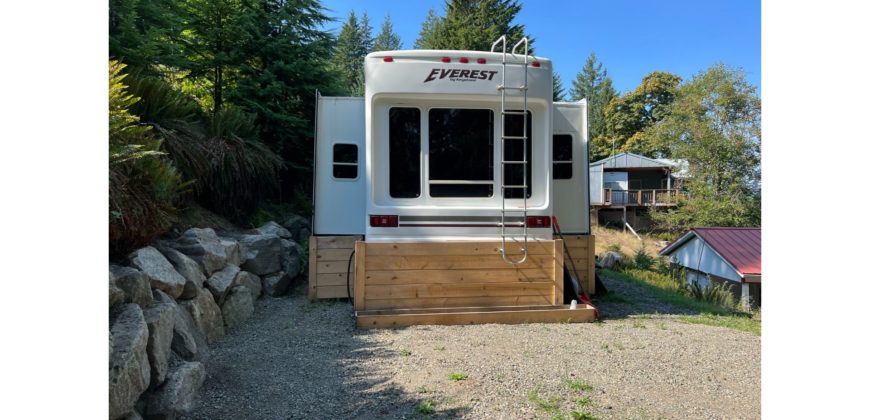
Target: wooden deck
392, 318
327, 266
582, 250
647, 198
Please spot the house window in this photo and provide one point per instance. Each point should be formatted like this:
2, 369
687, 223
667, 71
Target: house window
513, 152
404, 152
562, 162
345, 161
460, 152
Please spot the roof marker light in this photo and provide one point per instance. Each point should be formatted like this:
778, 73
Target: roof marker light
481, 61
463, 60
388, 59
536, 64
445, 59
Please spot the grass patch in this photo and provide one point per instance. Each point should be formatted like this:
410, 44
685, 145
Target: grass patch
404, 351
549, 404
735, 322
440, 348
426, 406
582, 415
638, 324
457, 376
578, 386
583, 402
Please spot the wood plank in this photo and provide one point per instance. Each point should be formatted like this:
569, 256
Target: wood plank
518, 315
334, 254
456, 302
454, 248
359, 285
502, 275
312, 267
451, 262
336, 242
332, 267
336, 279
558, 273
590, 266
458, 290
332, 292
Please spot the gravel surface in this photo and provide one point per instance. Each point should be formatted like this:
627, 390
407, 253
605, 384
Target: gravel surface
295, 359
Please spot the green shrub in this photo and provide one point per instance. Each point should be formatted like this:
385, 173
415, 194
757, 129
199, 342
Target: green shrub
642, 260
143, 183
614, 248
717, 294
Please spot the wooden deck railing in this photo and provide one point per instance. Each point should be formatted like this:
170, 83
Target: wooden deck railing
640, 197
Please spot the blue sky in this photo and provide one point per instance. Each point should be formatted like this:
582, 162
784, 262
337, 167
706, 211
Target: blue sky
631, 38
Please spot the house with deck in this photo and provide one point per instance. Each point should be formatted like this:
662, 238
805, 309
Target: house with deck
720, 255
623, 188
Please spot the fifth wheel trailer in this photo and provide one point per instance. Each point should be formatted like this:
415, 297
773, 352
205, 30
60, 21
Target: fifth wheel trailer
443, 182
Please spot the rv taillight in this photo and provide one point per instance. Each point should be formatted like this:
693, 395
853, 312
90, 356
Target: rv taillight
538, 221
536, 64
387, 221
463, 60
445, 59
481, 61
388, 59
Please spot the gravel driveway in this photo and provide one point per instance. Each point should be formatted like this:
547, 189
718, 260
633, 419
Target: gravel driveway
295, 359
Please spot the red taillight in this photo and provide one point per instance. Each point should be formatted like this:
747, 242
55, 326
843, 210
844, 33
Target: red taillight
463, 60
445, 59
388, 59
538, 221
481, 61
536, 64
386, 221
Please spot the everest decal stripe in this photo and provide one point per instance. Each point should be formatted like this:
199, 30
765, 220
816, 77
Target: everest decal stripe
460, 74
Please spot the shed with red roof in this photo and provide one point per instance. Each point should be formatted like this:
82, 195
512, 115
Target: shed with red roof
720, 255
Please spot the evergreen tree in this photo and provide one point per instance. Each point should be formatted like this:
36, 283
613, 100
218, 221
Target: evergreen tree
349, 56
472, 25
426, 39
365, 28
558, 88
593, 83
387, 40
629, 117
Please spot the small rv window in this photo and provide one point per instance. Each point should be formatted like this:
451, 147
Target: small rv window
404, 152
562, 156
513, 152
460, 152
345, 160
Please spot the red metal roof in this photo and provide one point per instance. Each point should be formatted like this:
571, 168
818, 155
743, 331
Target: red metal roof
741, 247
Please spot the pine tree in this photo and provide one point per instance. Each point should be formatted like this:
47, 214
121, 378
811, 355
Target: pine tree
365, 28
349, 55
558, 88
387, 40
593, 83
426, 39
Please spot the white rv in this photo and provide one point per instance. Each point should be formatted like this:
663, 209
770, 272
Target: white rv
448, 148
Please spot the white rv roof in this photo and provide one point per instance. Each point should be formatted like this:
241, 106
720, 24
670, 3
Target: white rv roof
436, 55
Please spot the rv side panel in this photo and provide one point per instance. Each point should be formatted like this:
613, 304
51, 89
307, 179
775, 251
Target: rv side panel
570, 188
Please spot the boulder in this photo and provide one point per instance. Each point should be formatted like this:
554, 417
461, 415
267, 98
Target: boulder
134, 283
160, 319
234, 253
133, 415
159, 270
205, 247
220, 282
291, 261
262, 253
610, 259
274, 229
188, 268
238, 307
188, 342
178, 394
299, 227
206, 315
276, 284
252, 282
116, 294
129, 371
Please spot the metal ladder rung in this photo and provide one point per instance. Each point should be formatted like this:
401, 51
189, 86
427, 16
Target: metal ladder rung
513, 186
513, 162
512, 88
513, 113
514, 138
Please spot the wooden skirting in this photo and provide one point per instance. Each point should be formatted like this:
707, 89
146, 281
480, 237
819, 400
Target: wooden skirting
327, 266
582, 250
415, 275
474, 315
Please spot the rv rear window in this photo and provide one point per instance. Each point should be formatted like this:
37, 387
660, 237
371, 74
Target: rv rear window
345, 160
460, 152
513, 152
562, 156
404, 152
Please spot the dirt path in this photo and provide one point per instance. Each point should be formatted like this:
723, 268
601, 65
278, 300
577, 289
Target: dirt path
294, 359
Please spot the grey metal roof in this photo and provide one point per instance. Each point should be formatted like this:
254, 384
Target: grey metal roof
631, 160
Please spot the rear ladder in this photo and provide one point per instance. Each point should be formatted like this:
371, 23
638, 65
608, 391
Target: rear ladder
524, 187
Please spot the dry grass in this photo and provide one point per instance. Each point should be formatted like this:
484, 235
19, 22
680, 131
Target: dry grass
628, 243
